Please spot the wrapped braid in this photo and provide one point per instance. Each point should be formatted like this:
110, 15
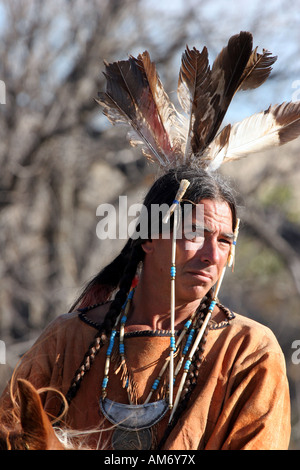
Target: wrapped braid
85, 366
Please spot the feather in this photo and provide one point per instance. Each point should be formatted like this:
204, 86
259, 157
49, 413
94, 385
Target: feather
213, 157
194, 91
257, 70
135, 97
227, 71
205, 93
276, 126
157, 102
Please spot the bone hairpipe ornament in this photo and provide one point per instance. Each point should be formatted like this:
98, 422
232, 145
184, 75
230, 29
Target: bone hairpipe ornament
184, 184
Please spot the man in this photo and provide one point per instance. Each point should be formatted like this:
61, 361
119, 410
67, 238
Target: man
148, 358
236, 393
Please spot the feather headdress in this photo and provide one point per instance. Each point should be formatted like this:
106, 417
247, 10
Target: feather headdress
135, 96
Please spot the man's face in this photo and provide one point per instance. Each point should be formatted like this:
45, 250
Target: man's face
199, 262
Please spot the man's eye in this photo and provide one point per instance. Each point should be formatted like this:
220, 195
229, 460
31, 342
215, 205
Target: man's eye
225, 241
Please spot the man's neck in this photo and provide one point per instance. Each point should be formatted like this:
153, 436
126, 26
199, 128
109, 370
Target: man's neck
151, 311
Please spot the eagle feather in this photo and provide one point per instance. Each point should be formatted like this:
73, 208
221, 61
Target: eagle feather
273, 127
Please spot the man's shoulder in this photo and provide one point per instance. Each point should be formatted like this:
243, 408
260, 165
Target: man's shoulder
255, 332
65, 325
249, 323
66, 320
92, 316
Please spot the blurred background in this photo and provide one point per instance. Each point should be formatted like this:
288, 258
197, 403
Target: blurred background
60, 158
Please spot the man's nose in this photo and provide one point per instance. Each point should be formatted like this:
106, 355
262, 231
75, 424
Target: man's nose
209, 254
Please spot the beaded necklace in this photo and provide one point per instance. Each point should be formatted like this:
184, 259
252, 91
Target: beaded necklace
188, 330
134, 422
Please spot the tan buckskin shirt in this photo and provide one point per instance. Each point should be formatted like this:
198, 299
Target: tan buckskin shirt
241, 400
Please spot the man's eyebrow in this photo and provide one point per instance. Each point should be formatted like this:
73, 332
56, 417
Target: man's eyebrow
228, 235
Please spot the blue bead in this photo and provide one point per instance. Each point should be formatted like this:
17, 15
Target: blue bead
190, 337
188, 343
187, 365
123, 319
212, 306
104, 382
155, 385
130, 295
191, 334
172, 343
173, 271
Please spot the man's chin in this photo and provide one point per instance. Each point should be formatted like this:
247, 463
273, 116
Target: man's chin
191, 294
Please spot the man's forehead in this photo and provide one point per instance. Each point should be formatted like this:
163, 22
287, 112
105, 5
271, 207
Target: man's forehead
213, 212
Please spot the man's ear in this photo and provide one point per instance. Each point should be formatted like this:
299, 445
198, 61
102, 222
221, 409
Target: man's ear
147, 246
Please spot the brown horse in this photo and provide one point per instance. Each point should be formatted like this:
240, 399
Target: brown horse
31, 427
28, 427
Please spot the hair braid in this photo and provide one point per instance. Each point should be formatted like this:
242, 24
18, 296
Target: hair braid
198, 356
108, 323
85, 366
193, 374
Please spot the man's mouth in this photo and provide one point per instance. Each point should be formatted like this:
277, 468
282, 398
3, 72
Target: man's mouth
202, 275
